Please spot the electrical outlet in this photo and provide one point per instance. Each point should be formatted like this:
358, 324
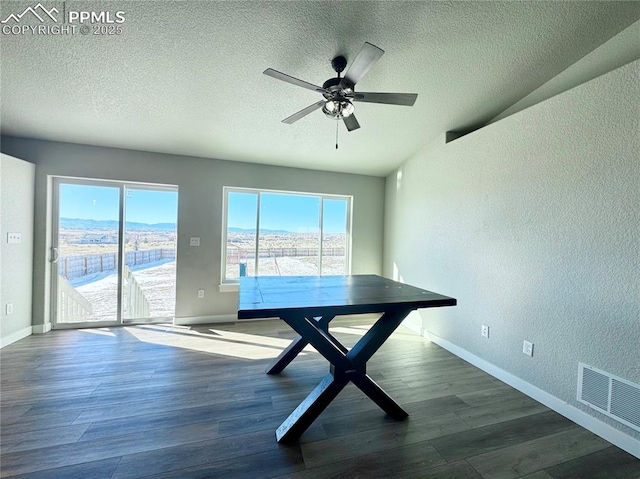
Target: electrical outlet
527, 348
201, 293
485, 331
194, 241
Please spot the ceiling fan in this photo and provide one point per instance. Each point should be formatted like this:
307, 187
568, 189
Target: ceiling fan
339, 93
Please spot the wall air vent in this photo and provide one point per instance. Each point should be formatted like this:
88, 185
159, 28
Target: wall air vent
611, 395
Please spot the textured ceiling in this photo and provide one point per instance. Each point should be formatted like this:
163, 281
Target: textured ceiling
186, 77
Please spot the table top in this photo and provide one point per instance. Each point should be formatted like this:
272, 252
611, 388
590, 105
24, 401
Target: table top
273, 296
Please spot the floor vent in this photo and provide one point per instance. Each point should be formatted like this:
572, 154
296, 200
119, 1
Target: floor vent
611, 395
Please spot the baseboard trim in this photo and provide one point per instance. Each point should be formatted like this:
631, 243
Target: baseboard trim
16, 336
41, 328
605, 431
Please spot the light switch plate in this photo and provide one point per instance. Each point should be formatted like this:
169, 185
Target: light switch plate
194, 241
14, 237
9, 308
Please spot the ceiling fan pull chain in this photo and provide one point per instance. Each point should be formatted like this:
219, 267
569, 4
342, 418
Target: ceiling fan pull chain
337, 134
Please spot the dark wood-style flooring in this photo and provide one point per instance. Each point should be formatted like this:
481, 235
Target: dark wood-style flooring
171, 402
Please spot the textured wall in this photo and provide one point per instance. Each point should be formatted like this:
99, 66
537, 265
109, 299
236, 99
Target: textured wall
200, 183
16, 216
533, 224
614, 53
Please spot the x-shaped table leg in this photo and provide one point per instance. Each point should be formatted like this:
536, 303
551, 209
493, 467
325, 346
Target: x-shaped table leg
346, 365
296, 347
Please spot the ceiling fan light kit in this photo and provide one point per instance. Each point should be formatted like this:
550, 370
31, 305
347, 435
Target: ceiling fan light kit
339, 92
338, 109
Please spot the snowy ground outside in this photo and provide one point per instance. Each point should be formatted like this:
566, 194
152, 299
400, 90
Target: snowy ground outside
157, 281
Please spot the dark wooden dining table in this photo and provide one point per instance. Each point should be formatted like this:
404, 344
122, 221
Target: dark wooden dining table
308, 304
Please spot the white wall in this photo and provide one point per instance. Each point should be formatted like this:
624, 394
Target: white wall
17, 179
533, 224
614, 53
200, 183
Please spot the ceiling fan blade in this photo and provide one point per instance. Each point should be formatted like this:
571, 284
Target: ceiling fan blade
294, 81
351, 123
304, 112
365, 59
406, 99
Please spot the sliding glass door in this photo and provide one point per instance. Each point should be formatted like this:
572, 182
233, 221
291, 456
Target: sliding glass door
86, 253
114, 253
150, 253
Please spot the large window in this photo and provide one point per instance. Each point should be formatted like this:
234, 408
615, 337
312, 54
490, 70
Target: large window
277, 233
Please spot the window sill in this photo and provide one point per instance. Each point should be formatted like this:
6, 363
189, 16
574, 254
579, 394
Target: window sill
229, 287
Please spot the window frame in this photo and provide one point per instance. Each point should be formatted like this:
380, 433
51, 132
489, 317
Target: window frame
230, 285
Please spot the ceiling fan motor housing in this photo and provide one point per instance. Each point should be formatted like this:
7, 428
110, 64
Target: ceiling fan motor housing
331, 82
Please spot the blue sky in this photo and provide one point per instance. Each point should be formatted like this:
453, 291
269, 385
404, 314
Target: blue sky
298, 214
293, 213
101, 203
145, 206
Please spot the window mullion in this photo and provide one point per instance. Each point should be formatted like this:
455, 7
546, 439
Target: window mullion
321, 235
255, 267
122, 253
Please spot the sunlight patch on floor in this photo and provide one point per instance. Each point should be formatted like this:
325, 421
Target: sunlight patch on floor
99, 331
356, 330
400, 333
225, 343
233, 343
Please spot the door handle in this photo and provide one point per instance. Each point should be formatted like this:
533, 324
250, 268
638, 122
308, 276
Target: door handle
54, 255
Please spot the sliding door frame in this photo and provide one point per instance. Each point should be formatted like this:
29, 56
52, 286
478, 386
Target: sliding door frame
122, 186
